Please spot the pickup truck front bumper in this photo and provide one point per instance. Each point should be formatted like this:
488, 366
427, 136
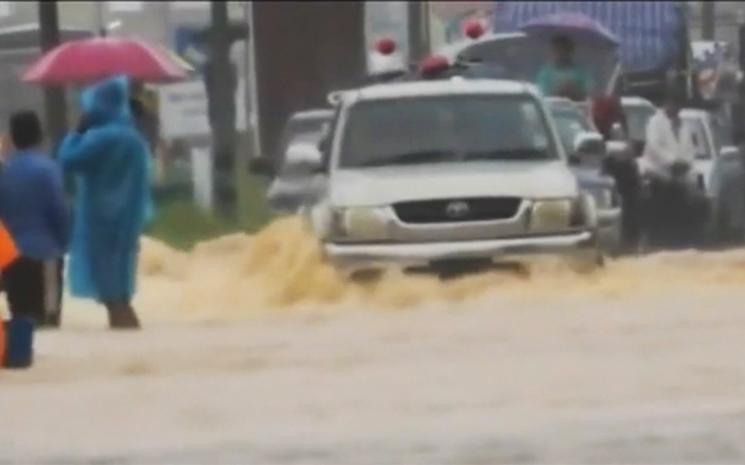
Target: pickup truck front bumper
350, 258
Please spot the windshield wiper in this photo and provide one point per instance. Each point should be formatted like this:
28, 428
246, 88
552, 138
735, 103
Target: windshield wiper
509, 155
411, 158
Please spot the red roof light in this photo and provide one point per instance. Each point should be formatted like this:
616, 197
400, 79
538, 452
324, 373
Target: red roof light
433, 64
473, 29
385, 46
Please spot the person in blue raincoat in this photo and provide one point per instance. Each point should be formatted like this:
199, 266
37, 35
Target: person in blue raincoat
110, 162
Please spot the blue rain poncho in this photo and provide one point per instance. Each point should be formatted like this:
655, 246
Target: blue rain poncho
110, 163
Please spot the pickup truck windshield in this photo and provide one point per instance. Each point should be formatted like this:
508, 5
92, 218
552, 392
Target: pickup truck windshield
445, 129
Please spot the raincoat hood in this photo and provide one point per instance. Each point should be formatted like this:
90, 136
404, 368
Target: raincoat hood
107, 101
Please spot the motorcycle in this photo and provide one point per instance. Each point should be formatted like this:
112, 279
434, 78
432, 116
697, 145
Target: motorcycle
675, 210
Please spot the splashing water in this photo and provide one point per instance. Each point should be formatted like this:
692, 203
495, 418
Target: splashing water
282, 267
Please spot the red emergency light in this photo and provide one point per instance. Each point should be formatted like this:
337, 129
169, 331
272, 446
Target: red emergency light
385, 46
473, 29
433, 64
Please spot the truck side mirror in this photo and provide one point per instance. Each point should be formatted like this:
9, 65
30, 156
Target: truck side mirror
589, 143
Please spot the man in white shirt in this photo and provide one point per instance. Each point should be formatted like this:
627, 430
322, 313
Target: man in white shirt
677, 212
669, 142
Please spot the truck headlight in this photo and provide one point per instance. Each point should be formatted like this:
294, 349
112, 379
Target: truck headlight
551, 215
338, 222
358, 223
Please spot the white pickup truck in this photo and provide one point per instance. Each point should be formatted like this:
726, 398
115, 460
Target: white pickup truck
431, 174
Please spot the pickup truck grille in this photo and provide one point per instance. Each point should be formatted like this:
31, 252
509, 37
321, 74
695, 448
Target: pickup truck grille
457, 210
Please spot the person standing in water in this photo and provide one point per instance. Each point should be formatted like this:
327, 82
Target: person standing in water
110, 162
563, 77
33, 208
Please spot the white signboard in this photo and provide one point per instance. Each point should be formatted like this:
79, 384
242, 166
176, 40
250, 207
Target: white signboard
201, 171
183, 109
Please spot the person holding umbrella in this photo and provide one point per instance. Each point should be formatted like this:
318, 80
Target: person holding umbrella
563, 77
110, 162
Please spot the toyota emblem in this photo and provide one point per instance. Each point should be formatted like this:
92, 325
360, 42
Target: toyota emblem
457, 210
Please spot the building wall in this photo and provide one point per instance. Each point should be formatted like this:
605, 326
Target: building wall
304, 50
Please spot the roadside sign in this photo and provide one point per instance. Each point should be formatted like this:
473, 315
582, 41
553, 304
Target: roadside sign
201, 169
188, 47
183, 109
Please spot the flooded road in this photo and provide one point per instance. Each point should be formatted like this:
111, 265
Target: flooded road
255, 352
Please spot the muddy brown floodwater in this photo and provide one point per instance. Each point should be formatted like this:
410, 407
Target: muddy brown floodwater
255, 351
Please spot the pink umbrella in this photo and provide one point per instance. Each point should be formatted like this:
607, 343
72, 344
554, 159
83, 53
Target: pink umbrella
84, 61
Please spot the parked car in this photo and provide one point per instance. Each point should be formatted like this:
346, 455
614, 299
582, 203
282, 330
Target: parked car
298, 182
448, 173
586, 150
720, 173
295, 183
301, 125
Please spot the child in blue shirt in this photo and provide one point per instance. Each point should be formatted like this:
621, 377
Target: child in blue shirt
33, 209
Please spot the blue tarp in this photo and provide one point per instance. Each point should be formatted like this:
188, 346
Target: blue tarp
648, 31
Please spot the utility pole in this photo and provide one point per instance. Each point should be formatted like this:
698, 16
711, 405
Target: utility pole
250, 73
708, 20
284, 50
55, 104
739, 110
221, 84
426, 22
418, 28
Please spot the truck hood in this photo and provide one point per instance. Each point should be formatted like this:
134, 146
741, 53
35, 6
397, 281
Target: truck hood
388, 185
